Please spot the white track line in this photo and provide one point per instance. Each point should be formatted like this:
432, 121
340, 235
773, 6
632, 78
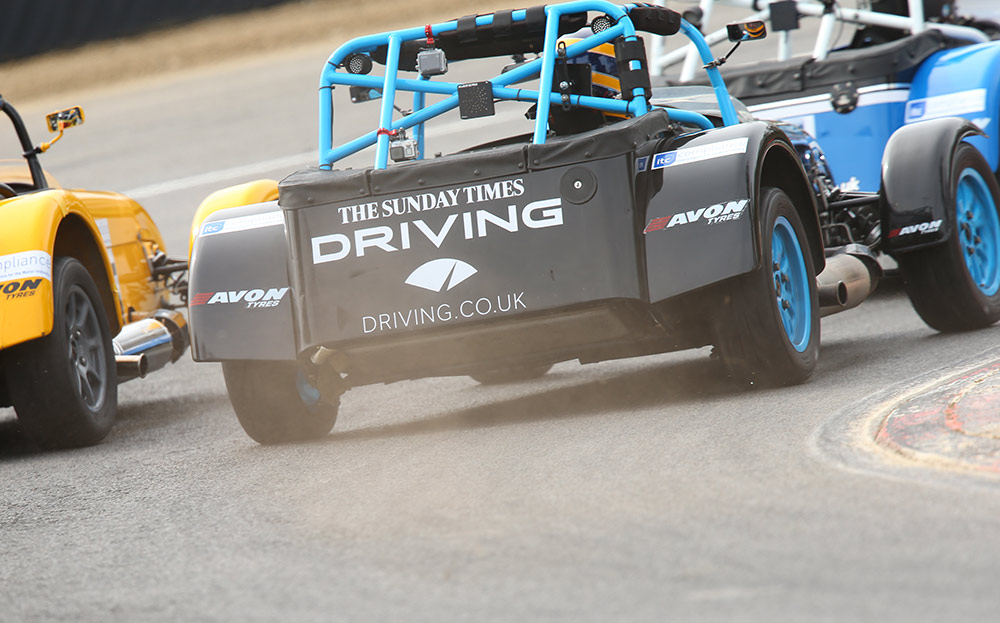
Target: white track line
289, 163
221, 175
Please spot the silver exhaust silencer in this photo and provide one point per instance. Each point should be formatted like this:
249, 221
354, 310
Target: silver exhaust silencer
149, 344
850, 276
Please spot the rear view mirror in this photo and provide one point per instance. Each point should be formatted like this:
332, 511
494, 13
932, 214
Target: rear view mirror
364, 94
58, 121
746, 31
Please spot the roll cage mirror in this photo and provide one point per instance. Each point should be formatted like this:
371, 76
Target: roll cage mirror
746, 31
738, 33
59, 120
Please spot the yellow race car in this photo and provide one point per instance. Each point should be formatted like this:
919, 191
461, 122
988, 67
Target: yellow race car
88, 297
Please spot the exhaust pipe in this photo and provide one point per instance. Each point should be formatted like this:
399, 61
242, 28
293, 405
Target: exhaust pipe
131, 367
851, 274
149, 344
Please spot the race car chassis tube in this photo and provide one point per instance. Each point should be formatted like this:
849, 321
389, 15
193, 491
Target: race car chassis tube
542, 67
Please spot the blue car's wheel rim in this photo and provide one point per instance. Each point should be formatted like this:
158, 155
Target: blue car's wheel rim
307, 392
978, 230
791, 288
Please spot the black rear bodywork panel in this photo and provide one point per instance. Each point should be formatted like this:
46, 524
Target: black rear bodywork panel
530, 248
918, 189
239, 252
578, 248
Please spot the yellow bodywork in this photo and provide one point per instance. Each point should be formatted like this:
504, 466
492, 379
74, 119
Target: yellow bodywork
257, 191
109, 233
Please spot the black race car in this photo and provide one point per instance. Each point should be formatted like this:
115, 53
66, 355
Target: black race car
631, 221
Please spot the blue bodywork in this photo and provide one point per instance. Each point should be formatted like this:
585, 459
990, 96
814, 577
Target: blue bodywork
960, 82
967, 81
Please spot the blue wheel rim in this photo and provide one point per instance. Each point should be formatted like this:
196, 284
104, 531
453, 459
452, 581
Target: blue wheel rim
978, 230
791, 288
309, 394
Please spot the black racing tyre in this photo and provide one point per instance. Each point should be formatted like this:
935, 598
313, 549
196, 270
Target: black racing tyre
511, 375
64, 386
275, 403
767, 327
955, 286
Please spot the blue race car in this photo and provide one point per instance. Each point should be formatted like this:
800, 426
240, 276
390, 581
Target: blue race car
912, 69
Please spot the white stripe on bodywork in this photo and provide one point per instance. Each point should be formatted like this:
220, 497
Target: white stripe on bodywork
948, 105
818, 104
242, 223
25, 265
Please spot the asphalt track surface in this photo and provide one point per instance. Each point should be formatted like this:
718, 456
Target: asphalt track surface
646, 489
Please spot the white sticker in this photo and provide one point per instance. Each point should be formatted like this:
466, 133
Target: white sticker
243, 223
105, 229
25, 264
440, 274
687, 155
950, 105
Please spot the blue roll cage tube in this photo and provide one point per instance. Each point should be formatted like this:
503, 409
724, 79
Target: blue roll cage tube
543, 67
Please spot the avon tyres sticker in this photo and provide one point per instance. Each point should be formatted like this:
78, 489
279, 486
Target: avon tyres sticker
718, 213
21, 288
25, 264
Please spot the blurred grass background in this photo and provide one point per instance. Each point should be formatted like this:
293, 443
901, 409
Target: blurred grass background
298, 24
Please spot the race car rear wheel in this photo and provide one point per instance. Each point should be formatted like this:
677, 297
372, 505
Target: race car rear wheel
276, 403
64, 386
955, 286
768, 329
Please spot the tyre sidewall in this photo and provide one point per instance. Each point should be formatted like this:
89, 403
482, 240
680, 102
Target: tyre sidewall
774, 204
967, 156
42, 381
269, 406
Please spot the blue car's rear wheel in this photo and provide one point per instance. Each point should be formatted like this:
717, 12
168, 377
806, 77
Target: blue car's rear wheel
276, 403
768, 329
955, 286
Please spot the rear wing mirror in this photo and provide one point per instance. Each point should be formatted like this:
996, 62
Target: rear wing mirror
59, 120
746, 31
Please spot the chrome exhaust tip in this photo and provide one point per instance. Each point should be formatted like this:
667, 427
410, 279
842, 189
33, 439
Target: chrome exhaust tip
149, 344
131, 367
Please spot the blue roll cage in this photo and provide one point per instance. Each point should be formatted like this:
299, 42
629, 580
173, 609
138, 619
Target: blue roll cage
543, 67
